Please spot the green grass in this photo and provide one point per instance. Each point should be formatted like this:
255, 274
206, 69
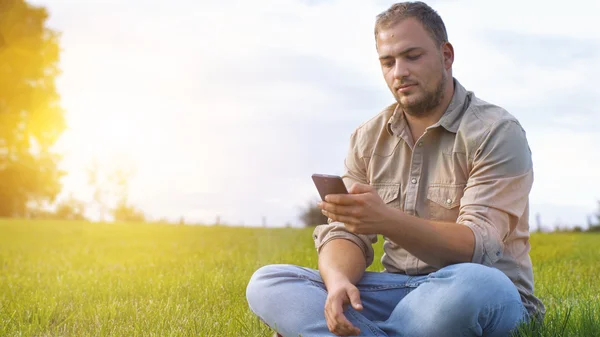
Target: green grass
82, 279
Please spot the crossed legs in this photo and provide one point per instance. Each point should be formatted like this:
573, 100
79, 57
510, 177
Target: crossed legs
459, 300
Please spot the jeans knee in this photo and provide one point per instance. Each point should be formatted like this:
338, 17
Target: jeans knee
476, 286
487, 281
262, 283
464, 298
258, 283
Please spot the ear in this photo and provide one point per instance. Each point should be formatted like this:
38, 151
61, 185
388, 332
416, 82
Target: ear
448, 54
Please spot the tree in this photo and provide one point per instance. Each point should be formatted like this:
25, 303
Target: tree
123, 211
110, 184
595, 227
127, 213
31, 119
120, 178
70, 209
312, 215
98, 182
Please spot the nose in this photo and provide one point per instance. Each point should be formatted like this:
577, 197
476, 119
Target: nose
401, 70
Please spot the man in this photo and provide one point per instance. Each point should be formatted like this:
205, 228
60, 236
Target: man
445, 178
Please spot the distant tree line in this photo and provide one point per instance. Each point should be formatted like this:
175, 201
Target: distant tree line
593, 223
106, 186
311, 215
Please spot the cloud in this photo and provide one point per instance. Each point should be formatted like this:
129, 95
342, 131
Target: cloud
546, 51
552, 74
293, 85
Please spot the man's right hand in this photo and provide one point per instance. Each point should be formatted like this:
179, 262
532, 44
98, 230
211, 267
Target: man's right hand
339, 296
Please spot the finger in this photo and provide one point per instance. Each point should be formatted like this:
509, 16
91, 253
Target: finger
332, 324
358, 188
347, 329
341, 324
347, 220
342, 327
353, 332
338, 209
354, 296
329, 319
341, 199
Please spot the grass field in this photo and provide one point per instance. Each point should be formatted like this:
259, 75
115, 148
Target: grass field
82, 279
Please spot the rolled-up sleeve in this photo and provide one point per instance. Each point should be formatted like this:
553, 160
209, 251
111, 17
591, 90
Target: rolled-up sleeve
336, 230
355, 170
497, 191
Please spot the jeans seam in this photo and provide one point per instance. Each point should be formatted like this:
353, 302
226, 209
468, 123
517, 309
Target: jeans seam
376, 288
385, 287
316, 285
407, 284
374, 332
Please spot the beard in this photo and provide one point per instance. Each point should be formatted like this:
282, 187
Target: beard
427, 102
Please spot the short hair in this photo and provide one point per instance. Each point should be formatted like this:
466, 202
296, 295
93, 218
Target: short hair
419, 10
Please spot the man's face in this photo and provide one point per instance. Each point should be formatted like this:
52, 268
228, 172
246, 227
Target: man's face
413, 66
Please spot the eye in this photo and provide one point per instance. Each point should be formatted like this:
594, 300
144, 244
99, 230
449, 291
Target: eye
413, 57
387, 64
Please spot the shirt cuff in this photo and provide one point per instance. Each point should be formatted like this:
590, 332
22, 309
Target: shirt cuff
488, 246
336, 230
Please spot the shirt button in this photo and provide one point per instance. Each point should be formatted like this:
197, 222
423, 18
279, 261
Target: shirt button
420, 144
448, 201
413, 180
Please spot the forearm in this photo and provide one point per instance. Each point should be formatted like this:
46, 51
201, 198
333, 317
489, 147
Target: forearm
436, 243
341, 260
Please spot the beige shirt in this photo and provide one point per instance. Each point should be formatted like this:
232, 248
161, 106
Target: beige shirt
472, 167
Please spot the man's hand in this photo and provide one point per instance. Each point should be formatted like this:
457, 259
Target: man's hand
362, 211
338, 297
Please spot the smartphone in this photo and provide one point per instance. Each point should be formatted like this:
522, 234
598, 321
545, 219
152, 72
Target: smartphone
329, 184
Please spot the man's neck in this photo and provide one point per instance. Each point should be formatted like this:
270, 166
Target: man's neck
418, 124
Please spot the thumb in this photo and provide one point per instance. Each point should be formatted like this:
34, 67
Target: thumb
354, 296
358, 188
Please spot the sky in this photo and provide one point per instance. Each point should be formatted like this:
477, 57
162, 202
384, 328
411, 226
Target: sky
227, 108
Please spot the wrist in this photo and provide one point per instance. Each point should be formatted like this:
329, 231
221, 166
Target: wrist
336, 279
392, 223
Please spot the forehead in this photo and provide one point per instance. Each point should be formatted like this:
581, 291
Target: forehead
408, 33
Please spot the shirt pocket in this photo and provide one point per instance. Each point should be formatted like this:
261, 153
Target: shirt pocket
444, 201
389, 193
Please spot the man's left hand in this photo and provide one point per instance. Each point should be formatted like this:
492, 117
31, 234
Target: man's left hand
362, 210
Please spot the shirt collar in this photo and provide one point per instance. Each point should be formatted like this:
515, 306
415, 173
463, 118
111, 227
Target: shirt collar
396, 122
450, 120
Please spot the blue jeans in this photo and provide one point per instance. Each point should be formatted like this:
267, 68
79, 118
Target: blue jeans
459, 300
